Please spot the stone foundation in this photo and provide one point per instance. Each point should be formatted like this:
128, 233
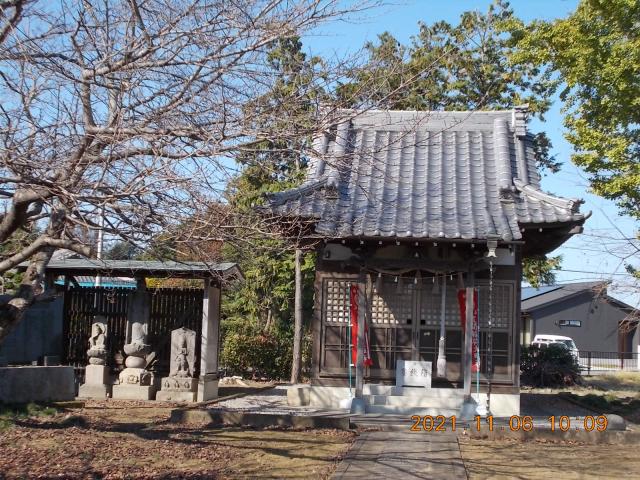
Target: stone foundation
328, 397
99, 392
97, 382
502, 404
298, 395
409, 401
207, 388
96, 375
178, 389
176, 396
134, 392
36, 384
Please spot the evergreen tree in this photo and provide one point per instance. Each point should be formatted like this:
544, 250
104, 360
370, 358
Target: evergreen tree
10, 280
263, 304
595, 55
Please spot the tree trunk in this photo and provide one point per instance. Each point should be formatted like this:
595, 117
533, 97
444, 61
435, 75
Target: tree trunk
269, 321
297, 328
31, 287
12, 312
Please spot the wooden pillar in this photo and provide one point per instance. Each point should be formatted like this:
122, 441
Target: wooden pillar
515, 339
49, 281
208, 379
316, 323
298, 325
360, 340
468, 342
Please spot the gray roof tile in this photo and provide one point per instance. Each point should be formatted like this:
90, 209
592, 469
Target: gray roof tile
454, 175
534, 298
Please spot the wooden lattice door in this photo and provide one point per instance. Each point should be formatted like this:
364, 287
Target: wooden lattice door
392, 325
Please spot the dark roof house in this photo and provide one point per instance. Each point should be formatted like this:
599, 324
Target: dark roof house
436, 175
583, 311
406, 207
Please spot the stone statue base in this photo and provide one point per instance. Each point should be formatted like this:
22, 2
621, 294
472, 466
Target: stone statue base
178, 389
97, 392
96, 383
135, 384
136, 377
134, 392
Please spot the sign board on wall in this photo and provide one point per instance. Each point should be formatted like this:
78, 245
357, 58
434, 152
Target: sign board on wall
413, 373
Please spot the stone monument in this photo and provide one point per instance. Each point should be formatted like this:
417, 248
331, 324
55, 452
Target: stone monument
97, 382
135, 382
181, 385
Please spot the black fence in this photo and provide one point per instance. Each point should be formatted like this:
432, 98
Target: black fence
171, 308
603, 362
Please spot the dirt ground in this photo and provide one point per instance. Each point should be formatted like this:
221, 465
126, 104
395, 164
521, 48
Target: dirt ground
503, 459
116, 440
617, 393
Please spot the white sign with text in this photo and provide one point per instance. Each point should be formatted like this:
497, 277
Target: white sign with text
413, 373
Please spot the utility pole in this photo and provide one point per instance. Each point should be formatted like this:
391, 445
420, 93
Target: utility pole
99, 246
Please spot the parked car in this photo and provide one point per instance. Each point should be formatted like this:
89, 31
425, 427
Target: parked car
544, 340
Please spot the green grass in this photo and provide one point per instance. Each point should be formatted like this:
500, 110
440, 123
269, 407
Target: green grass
9, 413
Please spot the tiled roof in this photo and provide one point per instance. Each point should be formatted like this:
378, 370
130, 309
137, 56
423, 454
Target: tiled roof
146, 268
405, 174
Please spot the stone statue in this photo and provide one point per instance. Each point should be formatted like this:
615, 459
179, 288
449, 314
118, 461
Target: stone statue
97, 335
138, 333
138, 348
181, 359
97, 383
183, 346
135, 381
180, 384
97, 352
136, 361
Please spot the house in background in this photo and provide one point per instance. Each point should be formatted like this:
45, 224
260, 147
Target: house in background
583, 311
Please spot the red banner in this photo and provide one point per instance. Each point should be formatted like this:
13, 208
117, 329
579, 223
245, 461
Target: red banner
354, 330
462, 302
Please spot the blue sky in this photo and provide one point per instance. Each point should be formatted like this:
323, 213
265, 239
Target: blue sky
594, 255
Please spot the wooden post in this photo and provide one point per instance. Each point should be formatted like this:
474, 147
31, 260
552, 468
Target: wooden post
49, 281
468, 342
360, 341
298, 326
208, 380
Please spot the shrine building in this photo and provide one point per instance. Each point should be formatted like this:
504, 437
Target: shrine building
411, 207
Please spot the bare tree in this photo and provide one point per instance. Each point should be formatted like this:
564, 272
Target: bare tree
131, 110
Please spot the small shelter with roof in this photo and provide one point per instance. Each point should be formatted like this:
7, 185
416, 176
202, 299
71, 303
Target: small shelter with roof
141, 343
407, 211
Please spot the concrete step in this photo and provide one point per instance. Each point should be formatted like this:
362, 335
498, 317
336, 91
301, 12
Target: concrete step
406, 410
415, 401
412, 391
373, 389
